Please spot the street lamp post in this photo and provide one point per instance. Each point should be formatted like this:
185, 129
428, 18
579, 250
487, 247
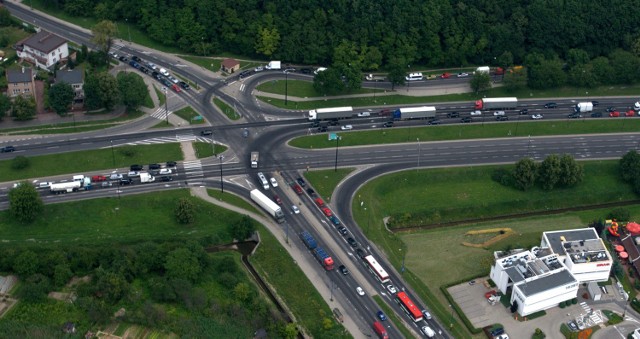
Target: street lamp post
404, 254
335, 169
418, 153
113, 154
221, 182
166, 106
451, 320
409, 81
331, 282
286, 87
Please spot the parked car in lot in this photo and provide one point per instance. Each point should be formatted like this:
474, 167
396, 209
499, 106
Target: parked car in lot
536, 116
550, 105
277, 199
274, 182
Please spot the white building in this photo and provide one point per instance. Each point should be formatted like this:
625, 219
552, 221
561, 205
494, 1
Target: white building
550, 274
43, 49
582, 251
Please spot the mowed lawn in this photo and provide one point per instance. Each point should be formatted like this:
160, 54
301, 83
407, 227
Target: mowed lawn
126, 219
453, 194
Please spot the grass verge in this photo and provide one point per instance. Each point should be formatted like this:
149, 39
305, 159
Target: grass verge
130, 219
470, 131
93, 160
210, 64
226, 109
325, 181
189, 114
70, 127
204, 149
301, 88
161, 97
232, 199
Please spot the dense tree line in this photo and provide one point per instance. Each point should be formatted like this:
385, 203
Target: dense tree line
429, 32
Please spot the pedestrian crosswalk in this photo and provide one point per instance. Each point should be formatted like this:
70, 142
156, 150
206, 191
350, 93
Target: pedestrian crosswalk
193, 169
166, 140
160, 113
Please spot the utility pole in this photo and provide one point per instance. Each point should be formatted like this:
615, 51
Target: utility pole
286, 87
221, 182
166, 101
337, 144
113, 154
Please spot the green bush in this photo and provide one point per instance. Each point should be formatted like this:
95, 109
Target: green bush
19, 163
562, 305
574, 301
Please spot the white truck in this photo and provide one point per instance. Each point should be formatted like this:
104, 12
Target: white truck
371, 77
65, 187
582, 107
483, 69
268, 205
146, 177
255, 156
273, 65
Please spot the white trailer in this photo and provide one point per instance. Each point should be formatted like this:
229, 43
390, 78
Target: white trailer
407, 113
65, 187
268, 205
483, 69
330, 113
146, 177
273, 65
582, 107
496, 103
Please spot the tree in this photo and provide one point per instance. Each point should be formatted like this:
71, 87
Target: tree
61, 274
24, 108
524, 174
630, 166
571, 173
182, 264
112, 285
544, 73
103, 33
5, 106
24, 202
133, 90
242, 229
397, 71
267, 41
515, 80
480, 81
185, 211
328, 82
26, 264
242, 291
549, 172
101, 90
35, 288
61, 97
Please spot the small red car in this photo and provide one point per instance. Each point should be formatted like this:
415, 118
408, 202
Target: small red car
629, 113
614, 114
319, 202
327, 212
277, 199
176, 88
445, 75
297, 188
98, 178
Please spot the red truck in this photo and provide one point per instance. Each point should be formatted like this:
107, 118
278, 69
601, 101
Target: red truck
98, 178
380, 330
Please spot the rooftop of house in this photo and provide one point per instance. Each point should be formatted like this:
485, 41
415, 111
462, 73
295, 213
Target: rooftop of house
44, 41
19, 75
74, 76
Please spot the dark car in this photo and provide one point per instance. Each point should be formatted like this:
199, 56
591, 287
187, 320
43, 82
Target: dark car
434, 122
126, 181
524, 111
277, 199
611, 109
171, 164
574, 116
136, 167
343, 269
465, 119
154, 166
143, 70
453, 115
301, 182
343, 230
136, 59
381, 316
166, 82
184, 85
334, 123
315, 124
334, 220
596, 115
502, 118
134, 64
7, 149
206, 132
306, 70
245, 73
166, 178
360, 252
550, 105
388, 124
311, 191
322, 129
497, 331
123, 58
352, 242
155, 74
595, 103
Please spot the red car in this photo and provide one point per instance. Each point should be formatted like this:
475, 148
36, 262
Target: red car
614, 114
277, 199
445, 75
98, 178
629, 113
297, 188
176, 88
319, 202
327, 212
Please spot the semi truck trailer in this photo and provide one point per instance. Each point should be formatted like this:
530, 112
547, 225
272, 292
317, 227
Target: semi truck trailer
330, 113
268, 205
496, 103
407, 113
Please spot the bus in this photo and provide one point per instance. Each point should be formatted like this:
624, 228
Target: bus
414, 77
376, 269
330, 113
408, 306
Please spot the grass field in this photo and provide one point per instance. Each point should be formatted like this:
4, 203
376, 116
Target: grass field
161, 97
398, 99
325, 181
188, 114
301, 88
204, 149
232, 199
122, 219
93, 160
68, 127
211, 64
470, 131
226, 109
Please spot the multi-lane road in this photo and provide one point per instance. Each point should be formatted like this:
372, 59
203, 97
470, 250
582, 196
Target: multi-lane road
269, 130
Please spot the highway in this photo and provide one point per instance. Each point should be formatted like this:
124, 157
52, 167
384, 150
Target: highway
269, 130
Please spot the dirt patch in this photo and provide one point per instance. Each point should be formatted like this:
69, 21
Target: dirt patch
6, 304
76, 280
59, 296
487, 237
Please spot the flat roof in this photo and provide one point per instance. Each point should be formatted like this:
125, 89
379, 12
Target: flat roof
554, 241
541, 284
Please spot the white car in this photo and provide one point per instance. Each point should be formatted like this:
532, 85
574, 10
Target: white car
152, 66
115, 176
428, 331
133, 174
360, 290
295, 209
364, 114
426, 314
536, 116
392, 289
44, 184
498, 113
476, 113
164, 72
174, 80
463, 75
258, 69
346, 127
320, 69
164, 171
274, 183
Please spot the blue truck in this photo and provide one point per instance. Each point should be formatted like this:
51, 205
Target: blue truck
308, 240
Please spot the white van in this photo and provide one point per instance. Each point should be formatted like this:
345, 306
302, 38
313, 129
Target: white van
263, 180
428, 331
414, 77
